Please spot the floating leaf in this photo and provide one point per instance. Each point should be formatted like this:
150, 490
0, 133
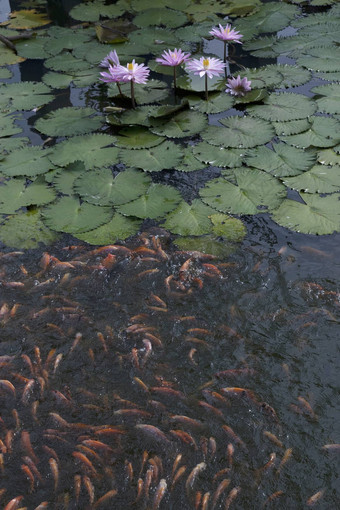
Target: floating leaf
12, 144
92, 11
5, 74
27, 19
274, 16
217, 156
66, 63
297, 45
323, 132
69, 121
16, 194
152, 92
25, 231
319, 179
138, 116
331, 102
187, 123
239, 132
24, 96
8, 57
218, 102
316, 216
189, 219
164, 156
292, 76
63, 180
321, 59
114, 31
261, 47
68, 215
155, 203
62, 38
241, 7
32, 48
255, 192
291, 127
230, 228
167, 110
142, 5
282, 161
283, 107
194, 83
28, 161
7, 126
137, 137
189, 162
118, 228
328, 157
93, 150
160, 16
268, 76
83, 78
100, 188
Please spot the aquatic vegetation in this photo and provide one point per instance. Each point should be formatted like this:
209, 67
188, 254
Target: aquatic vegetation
238, 86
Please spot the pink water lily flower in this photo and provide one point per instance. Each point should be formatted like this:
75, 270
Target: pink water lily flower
137, 73
111, 76
238, 86
173, 58
111, 59
226, 34
206, 66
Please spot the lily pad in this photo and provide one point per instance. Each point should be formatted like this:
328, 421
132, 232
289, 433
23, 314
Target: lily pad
189, 162
189, 219
7, 126
218, 102
318, 215
274, 16
8, 57
321, 59
239, 132
217, 156
160, 16
80, 79
29, 161
330, 103
66, 63
155, 203
63, 180
153, 92
69, 121
205, 244
24, 96
283, 107
255, 192
186, 123
68, 215
137, 137
25, 19
93, 11
319, 179
164, 156
25, 231
291, 127
323, 132
228, 227
328, 157
282, 161
15, 194
93, 150
118, 228
100, 188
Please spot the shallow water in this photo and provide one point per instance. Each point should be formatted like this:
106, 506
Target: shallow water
98, 347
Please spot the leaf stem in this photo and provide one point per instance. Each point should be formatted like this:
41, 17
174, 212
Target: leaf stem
206, 86
132, 95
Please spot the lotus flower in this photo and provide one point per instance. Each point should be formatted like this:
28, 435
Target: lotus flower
111, 59
133, 73
173, 59
238, 86
226, 34
206, 66
111, 76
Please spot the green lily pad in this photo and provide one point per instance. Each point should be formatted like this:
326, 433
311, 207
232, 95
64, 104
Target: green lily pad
25, 19
25, 231
189, 162
93, 11
32, 48
218, 102
189, 219
283, 107
328, 157
93, 150
62, 38
153, 92
155, 203
5, 74
323, 132
261, 47
28, 161
8, 57
164, 156
228, 227
100, 188
330, 103
255, 192
15, 194
137, 137
66, 63
206, 244
274, 16
282, 161
239, 132
69, 121
63, 180
217, 156
68, 215
24, 96
291, 127
321, 59
118, 228
138, 116
7, 126
12, 144
318, 215
186, 123
160, 16
319, 179
80, 79
194, 83
268, 76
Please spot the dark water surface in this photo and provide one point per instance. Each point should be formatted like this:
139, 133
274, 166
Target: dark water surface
115, 361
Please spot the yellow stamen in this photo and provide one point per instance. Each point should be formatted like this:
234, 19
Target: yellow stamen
130, 66
206, 63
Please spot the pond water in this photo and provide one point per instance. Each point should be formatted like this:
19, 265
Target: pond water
163, 370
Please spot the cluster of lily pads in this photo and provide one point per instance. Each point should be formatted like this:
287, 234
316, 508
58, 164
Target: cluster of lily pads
101, 168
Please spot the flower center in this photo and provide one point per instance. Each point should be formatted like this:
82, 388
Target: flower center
130, 66
206, 63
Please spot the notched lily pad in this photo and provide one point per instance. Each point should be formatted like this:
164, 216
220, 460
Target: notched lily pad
239, 132
228, 227
25, 231
189, 219
15, 193
156, 202
164, 156
24, 96
118, 228
187, 123
137, 137
319, 179
69, 122
29, 161
284, 107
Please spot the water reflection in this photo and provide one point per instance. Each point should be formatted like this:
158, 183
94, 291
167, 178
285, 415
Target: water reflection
142, 376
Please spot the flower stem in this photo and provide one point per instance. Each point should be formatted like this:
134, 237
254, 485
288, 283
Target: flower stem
132, 95
175, 78
120, 90
206, 86
226, 60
